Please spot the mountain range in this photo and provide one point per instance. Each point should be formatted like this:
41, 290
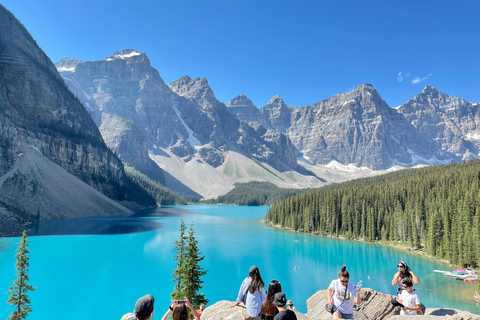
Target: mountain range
195, 138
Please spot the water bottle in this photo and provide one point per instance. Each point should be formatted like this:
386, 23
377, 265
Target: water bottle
358, 286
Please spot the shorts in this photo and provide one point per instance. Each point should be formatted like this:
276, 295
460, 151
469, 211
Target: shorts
346, 315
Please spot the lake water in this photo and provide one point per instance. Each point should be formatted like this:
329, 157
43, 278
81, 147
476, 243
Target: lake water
97, 268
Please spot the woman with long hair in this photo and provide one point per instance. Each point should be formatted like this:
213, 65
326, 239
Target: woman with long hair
252, 293
403, 272
179, 311
341, 295
269, 309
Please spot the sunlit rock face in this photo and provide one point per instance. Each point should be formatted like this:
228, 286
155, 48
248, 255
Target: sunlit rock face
183, 117
452, 123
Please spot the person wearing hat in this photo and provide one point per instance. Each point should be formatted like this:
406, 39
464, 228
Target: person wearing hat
252, 293
283, 312
143, 309
290, 305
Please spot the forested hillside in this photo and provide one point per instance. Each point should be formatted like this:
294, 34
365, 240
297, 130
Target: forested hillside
255, 193
437, 208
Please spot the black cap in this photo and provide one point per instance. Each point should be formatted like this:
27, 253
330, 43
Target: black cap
144, 307
253, 269
280, 299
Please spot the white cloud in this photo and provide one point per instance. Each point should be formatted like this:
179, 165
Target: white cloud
402, 76
419, 79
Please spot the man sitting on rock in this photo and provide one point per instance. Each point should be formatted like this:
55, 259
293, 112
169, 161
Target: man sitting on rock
283, 312
409, 299
143, 309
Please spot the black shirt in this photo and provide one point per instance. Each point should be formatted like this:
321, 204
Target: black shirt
286, 315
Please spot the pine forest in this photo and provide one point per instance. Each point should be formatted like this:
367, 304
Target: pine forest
436, 209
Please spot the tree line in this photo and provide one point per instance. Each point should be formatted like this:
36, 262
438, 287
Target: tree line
435, 208
255, 193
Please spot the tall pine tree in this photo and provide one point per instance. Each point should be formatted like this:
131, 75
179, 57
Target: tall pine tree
18, 292
180, 248
187, 275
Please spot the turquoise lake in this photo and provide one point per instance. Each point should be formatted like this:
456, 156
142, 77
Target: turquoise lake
100, 273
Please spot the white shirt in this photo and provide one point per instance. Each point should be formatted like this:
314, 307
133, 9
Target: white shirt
343, 302
409, 300
254, 301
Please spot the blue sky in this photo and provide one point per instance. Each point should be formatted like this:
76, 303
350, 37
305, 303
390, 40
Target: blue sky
304, 51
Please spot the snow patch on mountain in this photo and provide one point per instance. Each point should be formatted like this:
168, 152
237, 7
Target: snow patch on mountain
194, 142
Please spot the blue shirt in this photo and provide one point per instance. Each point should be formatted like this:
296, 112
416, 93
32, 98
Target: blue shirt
254, 301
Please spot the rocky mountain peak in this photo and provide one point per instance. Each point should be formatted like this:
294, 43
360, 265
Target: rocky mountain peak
276, 100
67, 64
191, 88
429, 89
125, 54
240, 101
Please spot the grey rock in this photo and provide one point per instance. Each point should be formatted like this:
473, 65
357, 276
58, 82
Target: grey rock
183, 117
38, 111
453, 123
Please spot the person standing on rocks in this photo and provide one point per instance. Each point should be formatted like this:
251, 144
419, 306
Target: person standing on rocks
404, 272
341, 295
283, 312
252, 293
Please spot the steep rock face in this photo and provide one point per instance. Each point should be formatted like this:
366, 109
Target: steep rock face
37, 110
276, 114
224, 129
453, 123
357, 127
183, 117
125, 139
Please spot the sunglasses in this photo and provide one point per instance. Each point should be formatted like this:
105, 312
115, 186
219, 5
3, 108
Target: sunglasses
344, 281
400, 266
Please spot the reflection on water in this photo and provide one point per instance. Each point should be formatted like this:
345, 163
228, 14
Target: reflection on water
105, 225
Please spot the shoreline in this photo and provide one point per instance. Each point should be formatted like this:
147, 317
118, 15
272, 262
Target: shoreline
399, 246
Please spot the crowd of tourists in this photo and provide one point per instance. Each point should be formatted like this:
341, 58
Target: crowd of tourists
272, 304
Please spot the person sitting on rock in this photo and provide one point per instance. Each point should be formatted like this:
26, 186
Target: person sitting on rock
269, 309
143, 309
283, 312
409, 299
341, 295
252, 293
403, 272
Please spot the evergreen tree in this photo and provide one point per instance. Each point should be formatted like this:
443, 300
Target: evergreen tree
180, 248
187, 275
193, 272
18, 292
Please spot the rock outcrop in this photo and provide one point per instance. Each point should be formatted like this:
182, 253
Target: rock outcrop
374, 306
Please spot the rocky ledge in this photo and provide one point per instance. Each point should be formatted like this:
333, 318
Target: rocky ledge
375, 305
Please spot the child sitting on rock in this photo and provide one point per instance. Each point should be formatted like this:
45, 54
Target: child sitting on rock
409, 299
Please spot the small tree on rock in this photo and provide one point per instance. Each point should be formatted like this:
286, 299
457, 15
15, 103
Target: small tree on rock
18, 292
